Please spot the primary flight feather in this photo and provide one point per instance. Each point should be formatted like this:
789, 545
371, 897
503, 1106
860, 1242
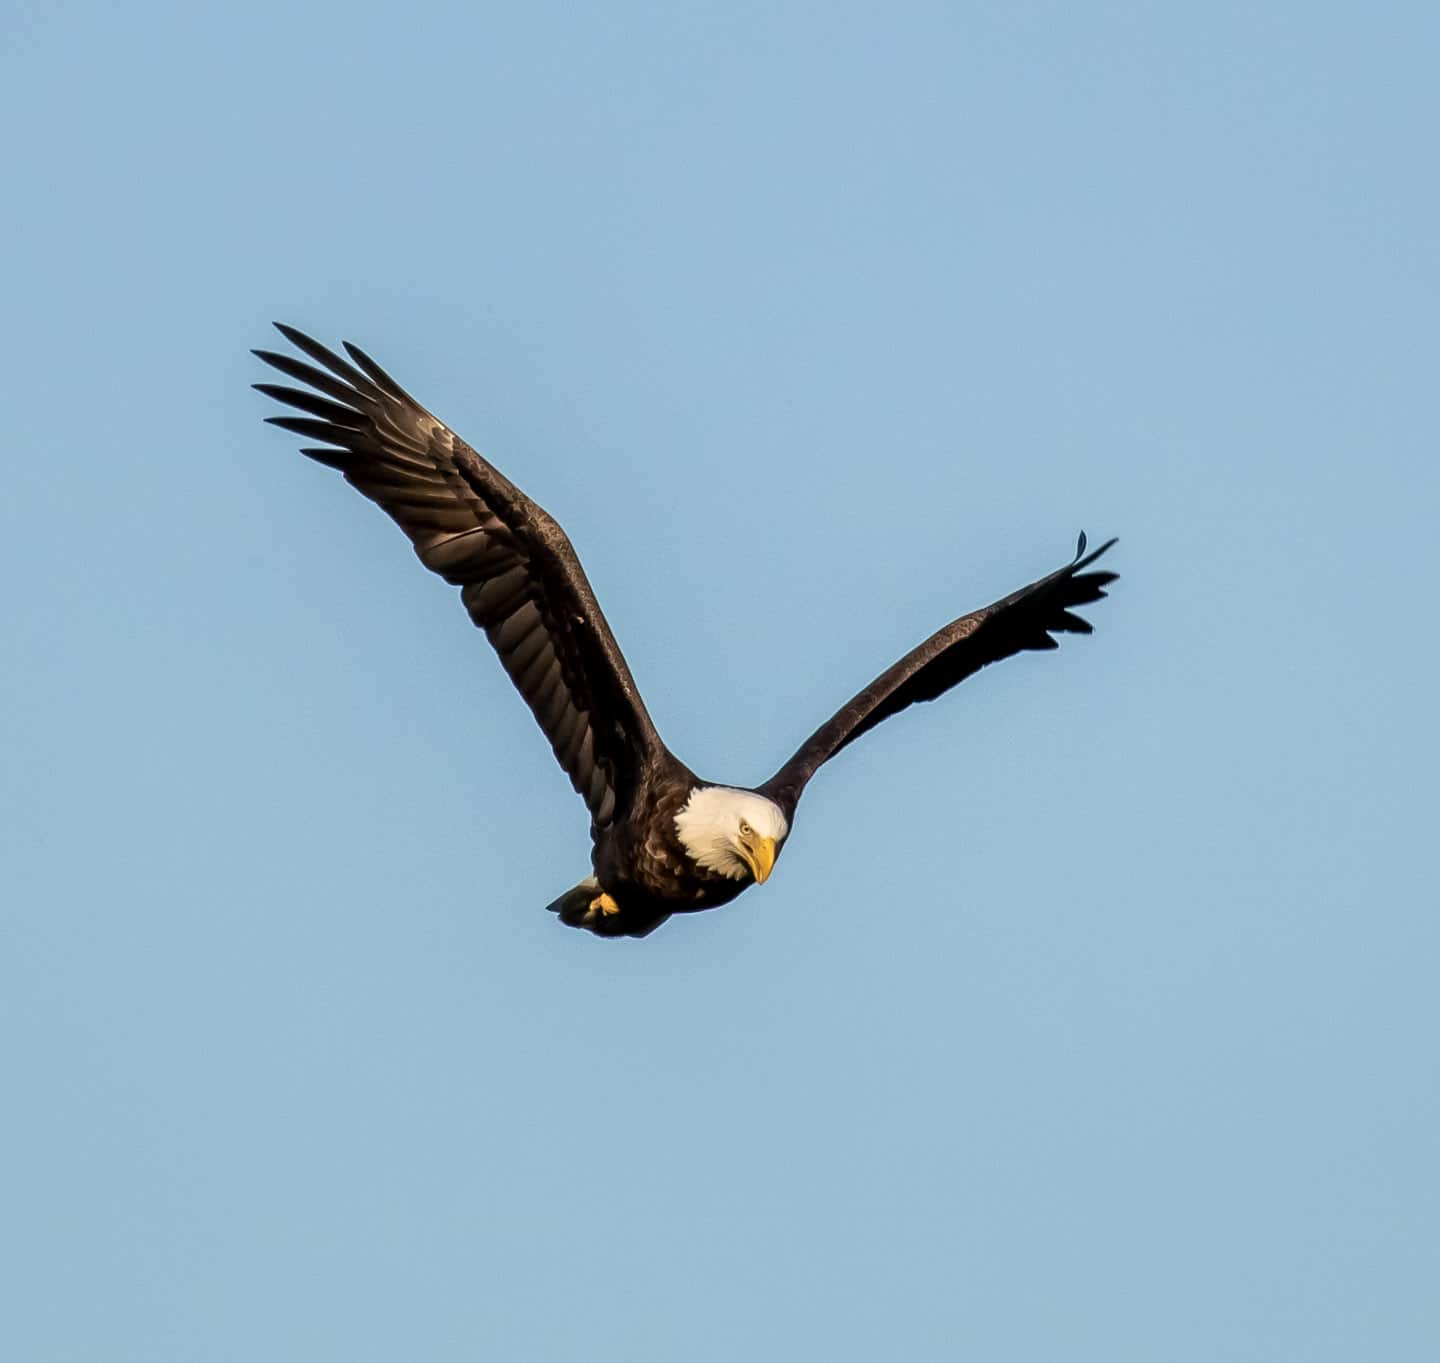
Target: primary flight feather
664, 841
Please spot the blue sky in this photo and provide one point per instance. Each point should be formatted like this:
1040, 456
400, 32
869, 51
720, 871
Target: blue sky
1090, 1013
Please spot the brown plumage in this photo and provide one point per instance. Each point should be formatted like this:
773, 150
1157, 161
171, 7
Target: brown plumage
663, 840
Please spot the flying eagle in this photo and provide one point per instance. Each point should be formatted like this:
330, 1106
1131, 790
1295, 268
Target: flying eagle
664, 841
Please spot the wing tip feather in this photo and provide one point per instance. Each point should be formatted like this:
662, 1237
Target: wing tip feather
1082, 559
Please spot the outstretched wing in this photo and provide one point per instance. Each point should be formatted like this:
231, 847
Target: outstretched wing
1024, 619
517, 572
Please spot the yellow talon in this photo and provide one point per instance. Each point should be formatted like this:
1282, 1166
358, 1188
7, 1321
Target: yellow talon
604, 905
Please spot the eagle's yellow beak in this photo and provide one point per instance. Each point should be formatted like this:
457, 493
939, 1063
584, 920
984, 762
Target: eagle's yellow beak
760, 855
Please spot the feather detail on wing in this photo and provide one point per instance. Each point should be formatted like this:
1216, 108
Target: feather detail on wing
517, 571
1026, 619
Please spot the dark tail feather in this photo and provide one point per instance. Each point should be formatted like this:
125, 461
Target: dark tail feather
574, 909
574, 905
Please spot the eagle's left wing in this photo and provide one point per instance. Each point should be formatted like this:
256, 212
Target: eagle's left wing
517, 571
1023, 620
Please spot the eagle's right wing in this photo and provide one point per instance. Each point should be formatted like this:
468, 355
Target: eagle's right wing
1023, 620
517, 571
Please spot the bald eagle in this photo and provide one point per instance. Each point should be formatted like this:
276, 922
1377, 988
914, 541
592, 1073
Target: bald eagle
664, 841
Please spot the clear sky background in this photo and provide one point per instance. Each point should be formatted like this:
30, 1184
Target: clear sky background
1091, 1013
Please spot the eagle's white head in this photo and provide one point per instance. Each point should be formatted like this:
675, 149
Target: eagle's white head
736, 833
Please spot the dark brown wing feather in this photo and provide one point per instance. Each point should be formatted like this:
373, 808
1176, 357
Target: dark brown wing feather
1023, 620
517, 572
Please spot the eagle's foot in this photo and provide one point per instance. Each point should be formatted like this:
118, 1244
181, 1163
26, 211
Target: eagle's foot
602, 906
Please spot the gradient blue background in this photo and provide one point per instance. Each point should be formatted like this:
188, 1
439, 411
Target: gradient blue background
1092, 1012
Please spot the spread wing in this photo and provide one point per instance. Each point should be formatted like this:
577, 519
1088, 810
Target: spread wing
1023, 620
517, 572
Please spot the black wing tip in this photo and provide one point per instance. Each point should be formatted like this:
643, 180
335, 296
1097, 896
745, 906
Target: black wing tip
368, 376
277, 358
1084, 560
377, 375
293, 334
287, 423
324, 356
1078, 588
1082, 543
271, 357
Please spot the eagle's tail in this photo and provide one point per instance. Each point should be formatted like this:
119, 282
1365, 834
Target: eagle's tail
581, 908
574, 905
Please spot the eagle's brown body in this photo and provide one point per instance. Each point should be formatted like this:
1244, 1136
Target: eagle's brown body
642, 864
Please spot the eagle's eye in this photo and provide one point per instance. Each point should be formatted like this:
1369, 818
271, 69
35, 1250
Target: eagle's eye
745, 829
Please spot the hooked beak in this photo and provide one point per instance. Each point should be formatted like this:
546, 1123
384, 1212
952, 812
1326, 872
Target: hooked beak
760, 855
